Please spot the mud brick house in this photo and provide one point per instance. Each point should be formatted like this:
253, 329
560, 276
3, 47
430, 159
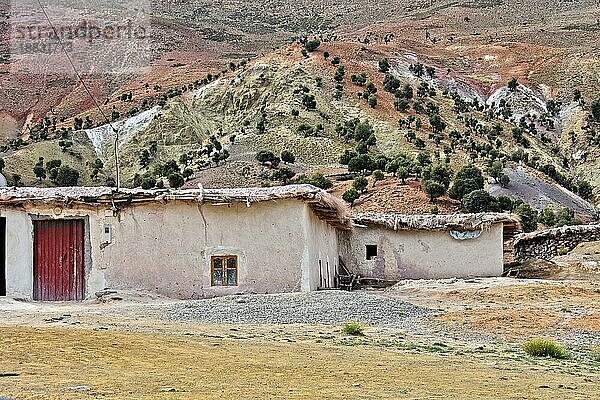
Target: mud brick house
393, 246
68, 243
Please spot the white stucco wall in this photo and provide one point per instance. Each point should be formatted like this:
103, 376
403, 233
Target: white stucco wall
166, 248
423, 254
19, 254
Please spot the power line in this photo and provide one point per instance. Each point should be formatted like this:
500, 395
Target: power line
87, 90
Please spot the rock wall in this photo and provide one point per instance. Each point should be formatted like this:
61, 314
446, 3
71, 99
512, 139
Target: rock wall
545, 245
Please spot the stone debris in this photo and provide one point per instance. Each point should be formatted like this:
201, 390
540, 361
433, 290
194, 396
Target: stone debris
80, 388
327, 308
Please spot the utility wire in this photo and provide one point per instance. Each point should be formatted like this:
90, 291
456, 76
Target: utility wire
87, 90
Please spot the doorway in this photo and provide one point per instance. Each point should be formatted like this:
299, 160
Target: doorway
58, 260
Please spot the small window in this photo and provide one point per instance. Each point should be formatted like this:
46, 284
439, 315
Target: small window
371, 251
224, 271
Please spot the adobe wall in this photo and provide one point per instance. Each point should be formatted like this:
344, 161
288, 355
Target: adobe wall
166, 248
545, 245
422, 254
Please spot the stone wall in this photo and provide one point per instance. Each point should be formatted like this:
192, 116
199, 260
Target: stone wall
546, 244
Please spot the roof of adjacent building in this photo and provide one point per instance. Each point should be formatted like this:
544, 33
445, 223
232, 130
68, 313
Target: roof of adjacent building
438, 222
326, 206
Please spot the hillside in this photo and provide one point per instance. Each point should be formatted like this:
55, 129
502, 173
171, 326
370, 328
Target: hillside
456, 60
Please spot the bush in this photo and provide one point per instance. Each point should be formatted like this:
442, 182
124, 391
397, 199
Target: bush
545, 348
312, 45
266, 157
353, 328
176, 180
360, 183
350, 196
319, 180
283, 174
288, 157
529, 217
480, 201
384, 65
148, 182
378, 175
433, 189
66, 176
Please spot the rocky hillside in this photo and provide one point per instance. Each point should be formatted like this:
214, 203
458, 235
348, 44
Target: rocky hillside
442, 80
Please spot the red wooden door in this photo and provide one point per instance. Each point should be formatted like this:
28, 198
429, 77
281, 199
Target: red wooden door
58, 260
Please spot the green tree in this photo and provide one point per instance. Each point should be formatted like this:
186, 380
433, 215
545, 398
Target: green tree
585, 190
266, 157
361, 164
319, 180
372, 101
176, 180
513, 84
467, 180
360, 183
2, 164
496, 170
595, 110
529, 217
288, 157
378, 176
283, 174
148, 182
309, 102
440, 173
566, 216
505, 203
384, 65
402, 173
433, 189
312, 45
479, 201
350, 196
39, 170
66, 176
547, 217
437, 123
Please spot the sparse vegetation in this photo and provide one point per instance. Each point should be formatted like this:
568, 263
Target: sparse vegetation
545, 348
353, 328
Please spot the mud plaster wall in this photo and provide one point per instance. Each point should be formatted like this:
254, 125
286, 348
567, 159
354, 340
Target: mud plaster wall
422, 254
166, 248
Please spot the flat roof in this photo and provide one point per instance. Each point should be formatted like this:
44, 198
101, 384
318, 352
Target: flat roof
326, 206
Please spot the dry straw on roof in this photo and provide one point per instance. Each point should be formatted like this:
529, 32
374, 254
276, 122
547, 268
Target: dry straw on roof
325, 206
434, 222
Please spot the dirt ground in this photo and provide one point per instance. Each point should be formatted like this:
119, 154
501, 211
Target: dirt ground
125, 349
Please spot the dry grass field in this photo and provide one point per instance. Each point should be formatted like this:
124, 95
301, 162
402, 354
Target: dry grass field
470, 349
116, 365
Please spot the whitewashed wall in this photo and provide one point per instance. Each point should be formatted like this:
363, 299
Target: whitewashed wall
166, 248
423, 254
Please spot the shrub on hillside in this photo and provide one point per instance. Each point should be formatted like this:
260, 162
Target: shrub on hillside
319, 180
529, 217
480, 201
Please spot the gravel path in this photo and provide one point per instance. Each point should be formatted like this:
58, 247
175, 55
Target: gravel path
328, 308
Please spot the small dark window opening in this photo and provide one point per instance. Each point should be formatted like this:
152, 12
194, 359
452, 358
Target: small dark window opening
371, 251
224, 271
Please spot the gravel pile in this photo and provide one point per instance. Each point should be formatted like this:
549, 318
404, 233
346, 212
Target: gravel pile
328, 308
